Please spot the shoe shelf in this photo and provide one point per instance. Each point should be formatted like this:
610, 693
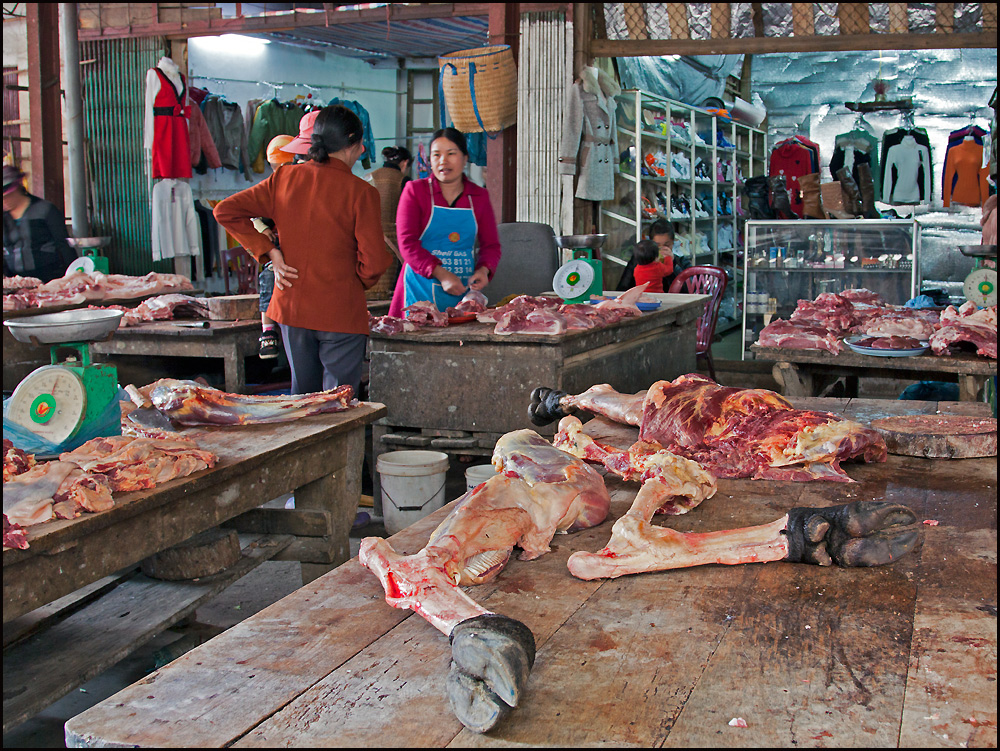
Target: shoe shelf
698, 188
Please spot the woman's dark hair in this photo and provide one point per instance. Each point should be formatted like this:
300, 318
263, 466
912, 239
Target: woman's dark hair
453, 135
335, 129
646, 251
395, 155
661, 227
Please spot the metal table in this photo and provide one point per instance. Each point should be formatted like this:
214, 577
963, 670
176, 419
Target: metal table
900, 655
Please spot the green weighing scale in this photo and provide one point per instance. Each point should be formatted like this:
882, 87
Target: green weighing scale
58, 401
980, 286
582, 276
90, 259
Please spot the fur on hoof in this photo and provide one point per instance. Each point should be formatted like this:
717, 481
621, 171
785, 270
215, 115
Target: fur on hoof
544, 407
863, 533
492, 657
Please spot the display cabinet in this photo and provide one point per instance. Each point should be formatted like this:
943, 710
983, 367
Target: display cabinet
687, 165
788, 261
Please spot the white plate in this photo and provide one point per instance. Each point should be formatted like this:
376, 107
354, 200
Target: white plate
850, 342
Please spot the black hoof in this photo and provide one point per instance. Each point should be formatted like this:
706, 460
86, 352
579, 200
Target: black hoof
863, 533
544, 407
492, 657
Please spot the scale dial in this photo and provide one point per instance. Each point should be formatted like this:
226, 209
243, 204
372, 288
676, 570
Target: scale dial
573, 279
50, 402
981, 287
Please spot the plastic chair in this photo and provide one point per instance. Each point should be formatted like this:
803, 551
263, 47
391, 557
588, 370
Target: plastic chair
703, 280
239, 261
530, 260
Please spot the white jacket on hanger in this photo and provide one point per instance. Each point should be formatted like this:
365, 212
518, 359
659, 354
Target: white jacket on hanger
589, 145
176, 230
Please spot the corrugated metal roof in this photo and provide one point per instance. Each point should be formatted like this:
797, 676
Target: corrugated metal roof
379, 40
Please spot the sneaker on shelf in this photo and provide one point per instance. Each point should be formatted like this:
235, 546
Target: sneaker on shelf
268, 345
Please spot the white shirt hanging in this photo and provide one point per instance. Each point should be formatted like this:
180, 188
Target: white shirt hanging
176, 231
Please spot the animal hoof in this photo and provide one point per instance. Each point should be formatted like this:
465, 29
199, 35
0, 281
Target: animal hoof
492, 657
544, 407
863, 533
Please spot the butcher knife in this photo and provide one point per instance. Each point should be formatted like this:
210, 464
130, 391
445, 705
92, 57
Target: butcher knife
145, 413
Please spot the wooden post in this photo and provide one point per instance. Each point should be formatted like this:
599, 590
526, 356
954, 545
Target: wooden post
501, 152
44, 105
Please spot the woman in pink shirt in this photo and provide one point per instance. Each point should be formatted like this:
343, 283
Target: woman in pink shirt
446, 230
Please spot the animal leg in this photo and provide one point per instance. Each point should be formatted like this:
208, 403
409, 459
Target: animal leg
548, 405
863, 533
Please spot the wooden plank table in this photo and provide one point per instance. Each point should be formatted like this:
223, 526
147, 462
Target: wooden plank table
806, 372
899, 655
318, 458
232, 341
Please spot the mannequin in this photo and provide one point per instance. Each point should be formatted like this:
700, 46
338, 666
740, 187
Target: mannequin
165, 134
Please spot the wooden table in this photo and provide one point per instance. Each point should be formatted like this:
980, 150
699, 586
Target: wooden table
232, 341
807, 372
899, 655
458, 389
318, 458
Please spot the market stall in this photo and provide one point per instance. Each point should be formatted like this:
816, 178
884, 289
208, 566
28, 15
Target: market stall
759, 655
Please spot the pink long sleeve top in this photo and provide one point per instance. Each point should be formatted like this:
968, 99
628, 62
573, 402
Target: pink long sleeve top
413, 214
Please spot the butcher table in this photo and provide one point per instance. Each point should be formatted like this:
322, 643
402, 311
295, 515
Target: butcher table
318, 458
458, 389
231, 341
805, 372
897, 655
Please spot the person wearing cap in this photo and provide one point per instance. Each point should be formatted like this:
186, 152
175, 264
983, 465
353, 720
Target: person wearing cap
34, 232
446, 230
268, 342
332, 250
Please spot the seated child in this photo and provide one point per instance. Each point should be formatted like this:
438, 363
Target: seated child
648, 267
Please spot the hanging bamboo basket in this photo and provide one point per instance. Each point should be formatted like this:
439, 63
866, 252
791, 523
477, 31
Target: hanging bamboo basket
479, 87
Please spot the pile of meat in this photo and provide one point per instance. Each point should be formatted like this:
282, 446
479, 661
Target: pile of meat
161, 308
524, 314
18, 283
824, 322
80, 287
83, 480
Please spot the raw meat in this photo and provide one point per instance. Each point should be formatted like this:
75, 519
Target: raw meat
862, 295
967, 325
898, 324
190, 403
15, 461
472, 302
128, 463
389, 325
14, 535
731, 432
79, 287
798, 335
425, 313
12, 283
539, 492
165, 308
54, 490
828, 310
889, 342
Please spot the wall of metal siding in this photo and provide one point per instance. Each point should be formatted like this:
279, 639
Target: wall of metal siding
114, 91
545, 70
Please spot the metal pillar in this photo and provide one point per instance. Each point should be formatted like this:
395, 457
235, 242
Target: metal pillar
75, 143
45, 112
501, 152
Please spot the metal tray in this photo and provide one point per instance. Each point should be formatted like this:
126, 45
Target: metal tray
979, 251
571, 242
66, 326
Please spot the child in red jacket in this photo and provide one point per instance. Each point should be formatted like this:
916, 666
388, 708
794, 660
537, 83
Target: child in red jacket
648, 267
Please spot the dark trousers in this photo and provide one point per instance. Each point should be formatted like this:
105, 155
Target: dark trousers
322, 360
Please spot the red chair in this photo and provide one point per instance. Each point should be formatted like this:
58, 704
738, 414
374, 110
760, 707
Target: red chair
239, 261
703, 280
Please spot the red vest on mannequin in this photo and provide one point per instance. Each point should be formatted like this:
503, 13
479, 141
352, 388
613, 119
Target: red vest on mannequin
171, 138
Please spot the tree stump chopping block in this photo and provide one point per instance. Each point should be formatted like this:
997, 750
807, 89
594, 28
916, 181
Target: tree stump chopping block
939, 436
204, 554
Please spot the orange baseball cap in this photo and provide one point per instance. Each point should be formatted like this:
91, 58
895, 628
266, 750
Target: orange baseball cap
301, 143
275, 150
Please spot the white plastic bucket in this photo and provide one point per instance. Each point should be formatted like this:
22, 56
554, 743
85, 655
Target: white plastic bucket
412, 486
477, 474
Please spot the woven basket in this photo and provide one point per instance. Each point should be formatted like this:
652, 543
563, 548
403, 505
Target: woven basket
480, 88
384, 287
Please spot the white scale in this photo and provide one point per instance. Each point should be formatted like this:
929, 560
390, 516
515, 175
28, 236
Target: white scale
980, 286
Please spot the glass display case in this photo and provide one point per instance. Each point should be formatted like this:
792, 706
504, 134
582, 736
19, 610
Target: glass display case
788, 261
687, 165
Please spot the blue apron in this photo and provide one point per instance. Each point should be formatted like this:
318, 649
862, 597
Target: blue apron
450, 236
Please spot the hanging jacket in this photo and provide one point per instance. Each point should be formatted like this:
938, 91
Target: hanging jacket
854, 148
589, 144
793, 158
366, 127
225, 123
965, 178
272, 118
202, 145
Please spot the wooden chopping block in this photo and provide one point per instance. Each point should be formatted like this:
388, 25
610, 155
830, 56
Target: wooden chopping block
939, 436
233, 307
204, 554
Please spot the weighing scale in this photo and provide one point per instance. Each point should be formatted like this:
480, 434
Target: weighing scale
90, 259
582, 276
980, 285
59, 401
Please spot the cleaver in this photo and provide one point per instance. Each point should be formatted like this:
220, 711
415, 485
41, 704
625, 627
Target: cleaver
145, 413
